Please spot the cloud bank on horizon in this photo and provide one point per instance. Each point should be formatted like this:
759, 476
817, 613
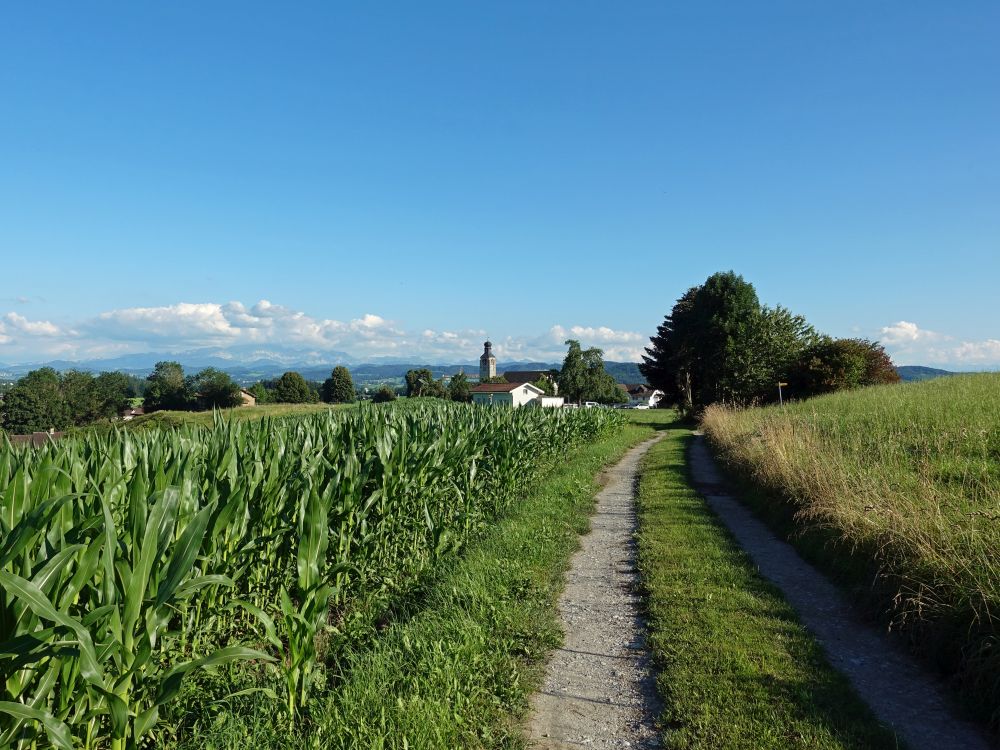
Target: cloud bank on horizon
187, 325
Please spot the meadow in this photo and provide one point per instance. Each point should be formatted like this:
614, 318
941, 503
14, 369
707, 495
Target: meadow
153, 581
896, 491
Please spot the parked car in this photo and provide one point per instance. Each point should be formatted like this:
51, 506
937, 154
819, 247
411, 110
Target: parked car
590, 404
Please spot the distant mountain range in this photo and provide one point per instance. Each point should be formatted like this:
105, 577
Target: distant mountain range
912, 373
248, 364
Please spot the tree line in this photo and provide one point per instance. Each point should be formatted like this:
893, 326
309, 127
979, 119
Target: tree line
720, 344
46, 400
168, 388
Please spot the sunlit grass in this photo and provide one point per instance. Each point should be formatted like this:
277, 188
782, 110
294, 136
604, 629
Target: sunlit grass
903, 482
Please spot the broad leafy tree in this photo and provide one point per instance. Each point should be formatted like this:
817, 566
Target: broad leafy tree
384, 395
544, 385
838, 364
421, 382
82, 399
214, 389
418, 382
339, 387
573, 374
292, 388
115, 390
167, 388
35, 404
583, 377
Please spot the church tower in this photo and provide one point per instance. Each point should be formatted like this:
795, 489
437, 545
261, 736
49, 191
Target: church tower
487, 363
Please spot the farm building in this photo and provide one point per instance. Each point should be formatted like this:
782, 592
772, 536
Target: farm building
247, 398
640, 394
506, 394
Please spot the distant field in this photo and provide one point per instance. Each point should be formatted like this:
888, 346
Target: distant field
897, 490
249, 413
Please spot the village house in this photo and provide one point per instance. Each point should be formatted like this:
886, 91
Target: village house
505, 394
640, 394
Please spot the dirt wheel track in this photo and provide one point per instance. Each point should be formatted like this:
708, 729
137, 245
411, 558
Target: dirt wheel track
903, 696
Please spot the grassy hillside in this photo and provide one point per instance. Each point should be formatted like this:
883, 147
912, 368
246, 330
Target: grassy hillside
897, 490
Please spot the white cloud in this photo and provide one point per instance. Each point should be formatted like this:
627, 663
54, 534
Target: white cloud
909, 344
905, 332
986, 352
619, 346
19, 324
189, 325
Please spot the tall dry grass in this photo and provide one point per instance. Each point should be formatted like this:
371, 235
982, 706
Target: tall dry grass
900, 485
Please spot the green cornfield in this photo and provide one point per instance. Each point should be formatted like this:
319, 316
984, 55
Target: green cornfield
132, 560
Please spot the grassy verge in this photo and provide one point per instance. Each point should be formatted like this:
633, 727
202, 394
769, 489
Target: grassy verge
735, 667
455, 667
896, 492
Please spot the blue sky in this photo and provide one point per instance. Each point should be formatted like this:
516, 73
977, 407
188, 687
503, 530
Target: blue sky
411, 177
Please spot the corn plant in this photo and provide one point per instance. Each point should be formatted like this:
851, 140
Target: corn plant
130, 560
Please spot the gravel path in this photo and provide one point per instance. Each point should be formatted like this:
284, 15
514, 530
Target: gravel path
599, 690
902, 695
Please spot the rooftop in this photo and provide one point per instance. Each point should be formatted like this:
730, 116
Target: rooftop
498, 387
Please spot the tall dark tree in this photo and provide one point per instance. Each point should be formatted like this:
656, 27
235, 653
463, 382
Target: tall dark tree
458, 388
35, 404
672, 357
292, 388
167, 388
339, 387
214, 389
726, 316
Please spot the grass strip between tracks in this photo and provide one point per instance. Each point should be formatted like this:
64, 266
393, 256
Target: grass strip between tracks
735, 667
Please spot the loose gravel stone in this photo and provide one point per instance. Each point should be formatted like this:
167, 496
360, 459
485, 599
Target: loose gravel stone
599, 690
